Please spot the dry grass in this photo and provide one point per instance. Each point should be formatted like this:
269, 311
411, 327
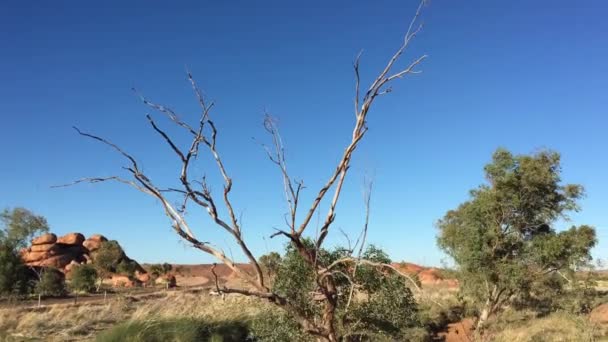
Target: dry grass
204, 307
84, 322
558, 327
60, 322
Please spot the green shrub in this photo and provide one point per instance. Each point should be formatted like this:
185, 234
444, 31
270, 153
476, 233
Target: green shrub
273, 325
182, 330
108, 256
160, 269
126, 267
383, 305
390, 311
15, 277
83, 278
51, 283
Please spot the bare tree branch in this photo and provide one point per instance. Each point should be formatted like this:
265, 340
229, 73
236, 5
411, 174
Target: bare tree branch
206, 133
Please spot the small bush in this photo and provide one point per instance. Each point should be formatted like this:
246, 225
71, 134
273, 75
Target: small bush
51, 283
391, 312
273, 325
83, 278
182, 330
126, 267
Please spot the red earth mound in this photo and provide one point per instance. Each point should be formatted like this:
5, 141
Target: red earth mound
599, 315
426, 275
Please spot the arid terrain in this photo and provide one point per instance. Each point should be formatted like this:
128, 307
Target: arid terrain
89, 316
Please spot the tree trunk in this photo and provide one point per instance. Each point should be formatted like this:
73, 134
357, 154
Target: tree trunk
483, 317
489, 307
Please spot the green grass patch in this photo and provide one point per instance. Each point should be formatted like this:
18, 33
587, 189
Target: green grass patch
177, 330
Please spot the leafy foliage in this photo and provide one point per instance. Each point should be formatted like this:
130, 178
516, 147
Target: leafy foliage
51, 283
390, 311
127, 267
108, 257
503, 238
83, 278
276, 326
383, 305
14, 275
270, 263
20, 225
160, 269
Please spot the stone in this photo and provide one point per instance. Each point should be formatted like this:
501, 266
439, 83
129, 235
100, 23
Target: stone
45, 239
97, 237
71, 239
63, 254
35, 256
122, 281
42, 248
57, 261
92, 245
143, 277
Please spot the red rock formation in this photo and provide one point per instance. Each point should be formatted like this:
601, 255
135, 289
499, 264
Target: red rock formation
70, 250
143, 277
45, 239
94, 242
122, 281
41, 248
71, 239
30, 257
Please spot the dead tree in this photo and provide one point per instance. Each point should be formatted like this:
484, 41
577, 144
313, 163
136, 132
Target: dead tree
197, 191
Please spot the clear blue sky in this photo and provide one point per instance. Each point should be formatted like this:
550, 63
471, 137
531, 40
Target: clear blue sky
519, 74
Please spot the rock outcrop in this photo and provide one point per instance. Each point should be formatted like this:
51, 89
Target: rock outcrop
45, 239
94, 242
70, 250
71, 239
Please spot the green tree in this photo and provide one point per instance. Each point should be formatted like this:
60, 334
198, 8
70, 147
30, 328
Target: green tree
270, 263
20, 225
503, 238
51, 283
83, 278
107, 257
373, 305
14, 275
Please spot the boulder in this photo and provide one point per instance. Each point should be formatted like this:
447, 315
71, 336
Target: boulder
35, 256
45, 239
71, 239
68, 268
122, 281
143, 277
42, 248
92, 245
68, 249
98, 237
63, 254
57, 261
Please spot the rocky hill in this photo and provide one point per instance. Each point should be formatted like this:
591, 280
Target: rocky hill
72, 249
